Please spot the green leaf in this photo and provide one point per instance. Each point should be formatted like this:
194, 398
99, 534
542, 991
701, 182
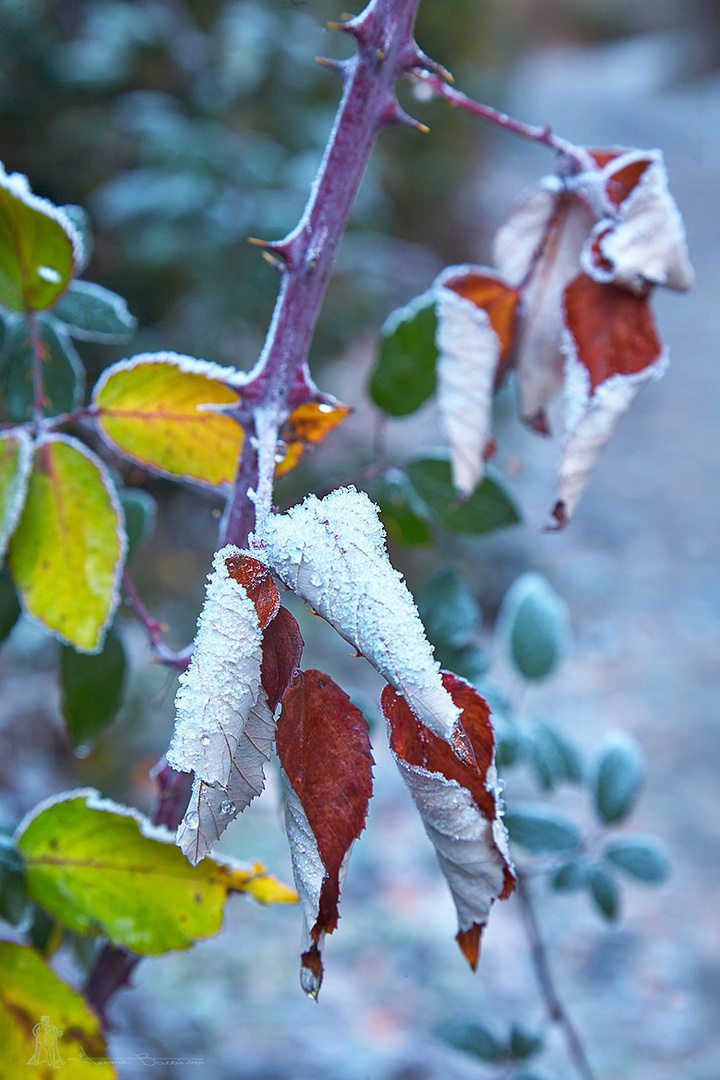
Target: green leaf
399, 510
471, 1038
448, 609
541, 829
62, 371
66, 555
140, 510
91, 689
618, 779
604, 893
93, 313
80, 221
404, 375
570, 877
523, 1043
98, 867
487, 508
13, 901
16, 458
46, 1028
640, 857
553, 757
38, 247
533, 623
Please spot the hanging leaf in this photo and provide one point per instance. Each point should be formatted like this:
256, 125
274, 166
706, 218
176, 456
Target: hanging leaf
476, 321
39, 247
612, 351
533, 624
92, 313
619, 778
331, 552
639, 857
458, 802
224, 728
98, 867
46, 1028
326, 763
542, 237
640, 238
91, 689
571, 876
282, 647
471, 1038
401, 512
404, 375
306, 426
63, 375
67, 553
488, 507
16, 458
160, 409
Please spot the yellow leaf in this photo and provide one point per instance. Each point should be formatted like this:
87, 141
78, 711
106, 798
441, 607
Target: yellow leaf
46, 1028
102, 868
67, 553
16, 457
307, 425
39, 247
160, 410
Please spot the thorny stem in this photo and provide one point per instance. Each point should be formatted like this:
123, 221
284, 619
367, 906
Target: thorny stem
576, 155
279, 381
555, 1007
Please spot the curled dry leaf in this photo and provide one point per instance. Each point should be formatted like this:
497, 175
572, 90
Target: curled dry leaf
476, 316
326, 772
307, 425
458, 802
331, 552
612, 349
639, 240
224, 726
538, 250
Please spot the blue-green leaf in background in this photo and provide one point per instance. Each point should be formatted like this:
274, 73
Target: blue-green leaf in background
488, 508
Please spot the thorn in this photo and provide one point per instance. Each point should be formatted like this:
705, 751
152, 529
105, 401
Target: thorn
416, 58
257, 242
380, 55
276, 251
273, 261
332, 65
394, 114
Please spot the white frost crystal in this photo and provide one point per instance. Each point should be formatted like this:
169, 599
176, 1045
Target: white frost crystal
331, 552
223, 728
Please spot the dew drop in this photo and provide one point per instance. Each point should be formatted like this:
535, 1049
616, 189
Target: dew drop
227, 806
81, 752
205, 740
322, 407
192, 820
48, 274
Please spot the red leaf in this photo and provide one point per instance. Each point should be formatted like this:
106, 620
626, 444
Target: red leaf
497, 299
257, 581
324, 751
282, 647
612, 329
457, 800
619, 184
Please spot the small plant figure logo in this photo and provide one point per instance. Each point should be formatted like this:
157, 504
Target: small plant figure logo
46, 1044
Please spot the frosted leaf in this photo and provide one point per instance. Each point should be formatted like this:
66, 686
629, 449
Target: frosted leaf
339, 542
640, 238
591, 424
16, 460
223, 728
308, 874
546, 229
459, 803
